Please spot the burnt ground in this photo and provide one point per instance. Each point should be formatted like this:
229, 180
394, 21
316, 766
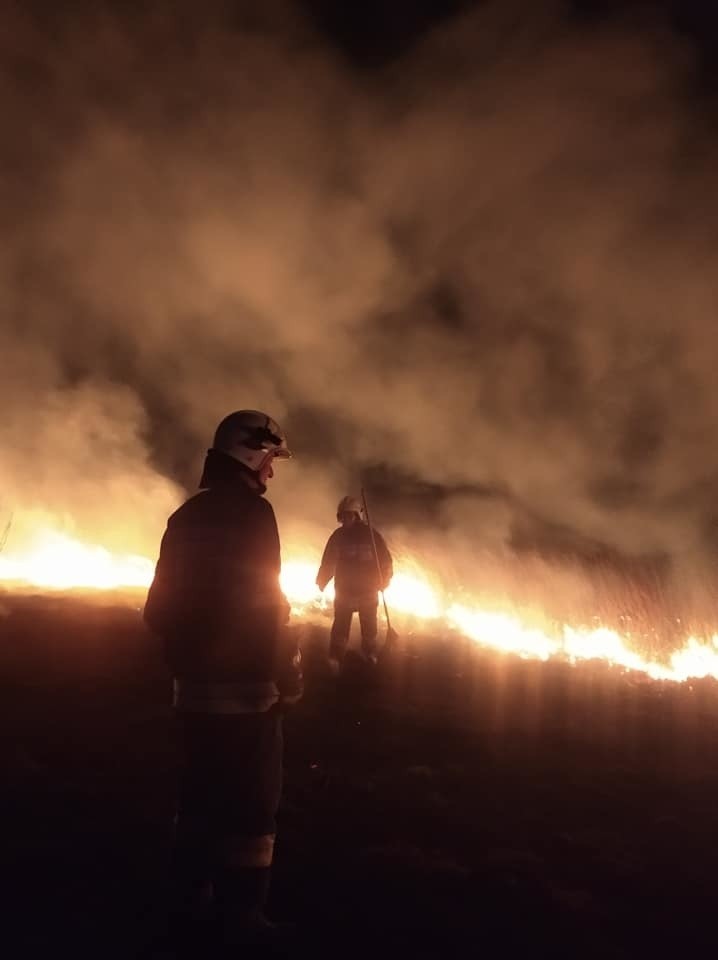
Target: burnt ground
460, 804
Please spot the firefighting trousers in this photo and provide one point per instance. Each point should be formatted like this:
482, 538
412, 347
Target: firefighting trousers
229, 793
344, 610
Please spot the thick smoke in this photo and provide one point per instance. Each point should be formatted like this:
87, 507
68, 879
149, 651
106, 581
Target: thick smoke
485, 266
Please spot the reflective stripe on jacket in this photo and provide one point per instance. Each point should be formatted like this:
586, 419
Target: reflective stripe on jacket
349, 557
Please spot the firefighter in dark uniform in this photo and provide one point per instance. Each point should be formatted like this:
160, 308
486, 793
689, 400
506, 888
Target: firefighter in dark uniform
360, 569
217, 605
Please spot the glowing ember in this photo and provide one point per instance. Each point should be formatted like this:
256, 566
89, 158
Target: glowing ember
52, 560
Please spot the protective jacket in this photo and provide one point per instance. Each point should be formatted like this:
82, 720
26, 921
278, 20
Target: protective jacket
349, 558
216, 601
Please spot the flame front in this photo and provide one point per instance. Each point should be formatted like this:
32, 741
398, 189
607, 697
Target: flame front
52, 560
57, 562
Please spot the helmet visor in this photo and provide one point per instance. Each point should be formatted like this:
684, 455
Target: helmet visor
271, 439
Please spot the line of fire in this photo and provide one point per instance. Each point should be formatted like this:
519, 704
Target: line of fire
626, 624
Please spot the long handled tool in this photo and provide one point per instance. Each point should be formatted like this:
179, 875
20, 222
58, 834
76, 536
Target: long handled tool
5, 534
391, 635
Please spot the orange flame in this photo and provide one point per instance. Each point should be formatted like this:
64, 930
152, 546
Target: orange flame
55, 561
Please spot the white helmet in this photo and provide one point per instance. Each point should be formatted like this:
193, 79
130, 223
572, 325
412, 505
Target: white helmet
349, 505
251, 436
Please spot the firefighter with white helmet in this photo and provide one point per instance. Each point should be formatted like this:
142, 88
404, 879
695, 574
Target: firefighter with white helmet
217, 605
360, 568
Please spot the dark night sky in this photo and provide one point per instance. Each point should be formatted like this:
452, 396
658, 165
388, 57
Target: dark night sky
465, 251
373, 32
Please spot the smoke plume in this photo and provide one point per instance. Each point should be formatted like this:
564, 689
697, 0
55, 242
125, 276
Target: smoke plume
482, 269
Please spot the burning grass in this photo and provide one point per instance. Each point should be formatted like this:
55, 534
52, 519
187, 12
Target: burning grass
518, 606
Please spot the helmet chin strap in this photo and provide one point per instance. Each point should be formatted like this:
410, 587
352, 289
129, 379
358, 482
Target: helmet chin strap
255, 474
250, 475
251, 478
